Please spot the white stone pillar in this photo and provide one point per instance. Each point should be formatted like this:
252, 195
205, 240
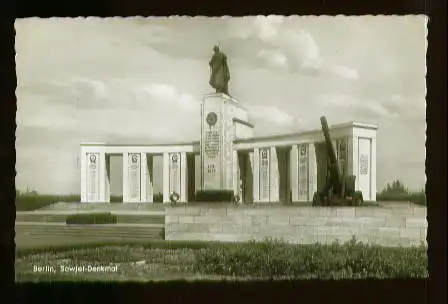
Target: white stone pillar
274, 178
102, 176
312, 171
183, 177
125, 177
235, 179
166, 177
256, 174
83, 168
288, 176
143, 177
373, 170
295, 173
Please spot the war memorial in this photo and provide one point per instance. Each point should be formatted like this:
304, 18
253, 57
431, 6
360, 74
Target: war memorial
303, 187
282, 168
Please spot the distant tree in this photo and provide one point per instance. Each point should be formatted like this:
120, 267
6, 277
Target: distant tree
28, 191
396, 187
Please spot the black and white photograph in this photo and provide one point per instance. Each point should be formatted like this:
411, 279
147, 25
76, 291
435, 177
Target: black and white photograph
224, 148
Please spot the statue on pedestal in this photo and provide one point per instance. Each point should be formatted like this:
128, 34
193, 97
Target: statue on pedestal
219, 71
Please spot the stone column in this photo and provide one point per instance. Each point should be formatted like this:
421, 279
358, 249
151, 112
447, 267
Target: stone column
235, 177
274, 176
83, 168
256, 174
288, 176
295, 173
373, 170
312, 171
183, 177
125, 177
143, 177
166, 178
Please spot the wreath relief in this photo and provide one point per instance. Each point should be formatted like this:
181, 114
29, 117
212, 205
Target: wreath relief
211, 119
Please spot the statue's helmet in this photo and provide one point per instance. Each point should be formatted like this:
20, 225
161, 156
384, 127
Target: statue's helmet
216, 48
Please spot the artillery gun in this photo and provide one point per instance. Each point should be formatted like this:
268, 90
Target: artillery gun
339, 190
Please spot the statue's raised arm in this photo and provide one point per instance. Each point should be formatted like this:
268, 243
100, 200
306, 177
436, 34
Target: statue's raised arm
219, 72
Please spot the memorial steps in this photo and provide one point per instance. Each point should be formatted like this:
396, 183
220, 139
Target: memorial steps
150, 218
105, 206
119, 232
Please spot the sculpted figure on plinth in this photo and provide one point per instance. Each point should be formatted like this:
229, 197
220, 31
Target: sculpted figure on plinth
219, 71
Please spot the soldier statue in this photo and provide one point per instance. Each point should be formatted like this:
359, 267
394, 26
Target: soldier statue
219, 71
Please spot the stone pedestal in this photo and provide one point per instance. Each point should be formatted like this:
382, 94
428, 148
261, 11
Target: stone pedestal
219, 114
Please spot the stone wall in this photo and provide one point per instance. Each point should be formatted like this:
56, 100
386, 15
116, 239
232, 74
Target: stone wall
404, 225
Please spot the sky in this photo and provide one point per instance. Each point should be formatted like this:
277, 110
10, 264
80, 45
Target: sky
141, 80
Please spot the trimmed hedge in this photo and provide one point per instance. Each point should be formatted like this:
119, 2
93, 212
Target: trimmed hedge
418, 198
214, 196
91, 218
276, 259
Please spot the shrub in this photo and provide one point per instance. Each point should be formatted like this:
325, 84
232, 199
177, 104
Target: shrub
116, 198
158, 197
91, 218
214, 196
274, 258
418, 198
413, 197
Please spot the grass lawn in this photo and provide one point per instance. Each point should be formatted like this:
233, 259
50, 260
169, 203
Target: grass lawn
162, 260
133, 263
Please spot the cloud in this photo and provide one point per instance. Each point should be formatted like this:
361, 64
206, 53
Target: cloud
344, 72
270, 114
101, 109
395, 106
352, 106
169, 95
291, 48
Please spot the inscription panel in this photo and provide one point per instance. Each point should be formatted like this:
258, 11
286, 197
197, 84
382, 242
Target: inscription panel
134, 177
211, 145
303, 172
175, 168
93, 186
264, 174
363, 164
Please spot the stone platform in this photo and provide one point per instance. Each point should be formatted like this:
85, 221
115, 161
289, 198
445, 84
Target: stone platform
396, 226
